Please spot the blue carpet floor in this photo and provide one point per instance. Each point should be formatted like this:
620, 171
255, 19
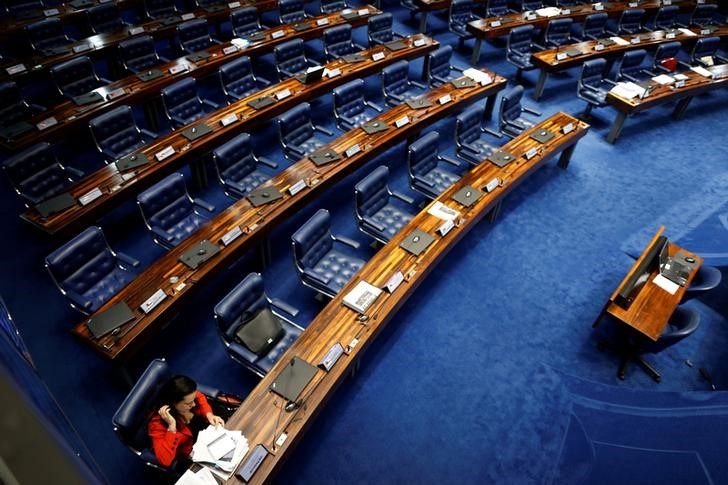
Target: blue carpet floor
471, 382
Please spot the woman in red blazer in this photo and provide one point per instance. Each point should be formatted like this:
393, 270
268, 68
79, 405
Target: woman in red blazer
183, 411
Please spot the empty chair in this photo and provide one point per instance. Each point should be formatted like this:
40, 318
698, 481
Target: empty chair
396, 85
37, 175
46, 34
379, 29
296, 132
291, 58
238, 79
595, 26
469, 131
169, 211
76, 77
665, 57
290, 11
630, 67
23, 8
194, 36
377, 214
331, 6
558, 32
237, 166
338, 42
705, 52
182, 104
245, 21
157, 9
411, 6
104, 17
630, 22
438, 68
704, 15
509, 119
665, 18
461, 12
707, 278
88, 272
497, 8
520, 47
425, 175
139, 54
116, 134
321, 266
530, 4
251, 326
350, 106
591, 87
13, 107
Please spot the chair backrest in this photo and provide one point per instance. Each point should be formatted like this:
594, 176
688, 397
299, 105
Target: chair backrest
104, 17
13, 107
438, 62
558, 31
631, 63
295, 125
468, 125
75, 77
331, 6
705, 47
194, 35
166, 203
461, 12
242, 303
531, 5
312, 240
244, 21
395, 78
337, 41
595, 24
631, 19
664, 51
520, 40
237, 78
422, 154
704, 14
22, 8
592, 73
497, 8
349, 98
510, 108
115, 130
665, 17
379, 28
234, 159
46, 33
181, 100
138, 53
683, 323
156, 9
291, 11
372, 193
35, 173
290, 56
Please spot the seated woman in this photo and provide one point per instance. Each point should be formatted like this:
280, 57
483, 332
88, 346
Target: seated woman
181, 412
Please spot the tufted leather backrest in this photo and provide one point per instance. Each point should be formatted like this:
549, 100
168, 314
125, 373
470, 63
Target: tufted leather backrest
439, 61
36, 173
12, 105
379, 28
312, 240
337, 40
704, 14
632, 62
104, 17
180, 99
290, 56
510, 107
395, 78
295, 125
46, 33
461, 12
558, 30
422, 154
349, 98
244, 21
497, 8
592, 73
75, 77
467, 125
631, 19
194, 35
20, 8
234, 159
157, 9
531, 5
236, 77
115, 130
372, 193
519, 40
666, 51
138, 53
291, 11
706, 46
665, 17
166, 203
330, 6
241, 304
595, 24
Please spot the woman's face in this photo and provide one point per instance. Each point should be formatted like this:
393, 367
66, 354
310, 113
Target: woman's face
186, 404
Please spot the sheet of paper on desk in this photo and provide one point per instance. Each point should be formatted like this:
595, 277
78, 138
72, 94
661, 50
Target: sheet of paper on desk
666, 284
663, 79
619, 41
627, 90
687, 32
203, 476
548, 11
225, 465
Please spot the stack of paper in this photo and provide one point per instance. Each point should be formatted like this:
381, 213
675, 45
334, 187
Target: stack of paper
628, 90
239, 43
443, 212
619, 41
478, 76
687, 32
220, 450
702, 71
362, 296
203, 476
663, 79
549, 12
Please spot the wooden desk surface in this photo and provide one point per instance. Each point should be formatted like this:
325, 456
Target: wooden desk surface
547, 60
73, 118
652, 306
257, 417
256, 222
484, 28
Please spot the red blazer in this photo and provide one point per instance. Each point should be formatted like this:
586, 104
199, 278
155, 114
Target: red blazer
170, 446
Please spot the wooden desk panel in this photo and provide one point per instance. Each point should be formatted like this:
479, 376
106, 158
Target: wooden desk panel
72, 117
258, 416
256, 222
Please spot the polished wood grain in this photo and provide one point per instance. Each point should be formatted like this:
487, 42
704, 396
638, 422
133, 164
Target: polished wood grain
73, 118
652, 306
255, 223
258, 416
116, 190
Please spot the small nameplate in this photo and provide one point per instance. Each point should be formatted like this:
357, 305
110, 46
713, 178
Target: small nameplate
178, 69
281, 439
331, 357
277, 34
566, 11
634, 40
153, 301
333, 73
188, 16
15, 69
82, 47
680, 84
353, 343
394, 282
251, 464
352, 150
561, 56
47, 123
705, 32
633, 4
115, 93
229, 49
701, 2
164, 153
531, 16
568, 128
419, 42
363, 11
378, 56
497, 23
670, 35
531, 153
401, 122
231, 236
229, 119
283, 94
90, 196
51, 12
445, 228
599, 47
492, 185
598, 7
667, 2
444, 99
321, 22
233, 4
297, 187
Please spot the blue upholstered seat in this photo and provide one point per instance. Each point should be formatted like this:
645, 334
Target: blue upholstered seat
665, 18
291, 11
194, 36
183, 105
527, 5
425, 175
238, 79
104, 17
157, 9
88, 272
116, 134
593, 85
76, 77
439, 71
558, 32
170, 212
520, 47
379, 29
707, 278
237, 166
459, 15
630, 67
595, 26
705, 52
13, 107
320, 266
631, 21
510, 120
377, 214
704, 15
396, 85
296, 132
22, 8
411, 6
331, 6
665, 52
245, 21
291, 58
237, 308
497, 8
338, 42
469, 135
46, 34
350, 106
139, 54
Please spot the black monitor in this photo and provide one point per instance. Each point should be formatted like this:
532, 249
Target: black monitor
651, 261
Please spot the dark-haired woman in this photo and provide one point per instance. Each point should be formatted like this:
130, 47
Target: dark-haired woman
181, 412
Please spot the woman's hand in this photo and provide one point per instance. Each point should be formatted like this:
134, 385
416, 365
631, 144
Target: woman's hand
166, 415
215, 420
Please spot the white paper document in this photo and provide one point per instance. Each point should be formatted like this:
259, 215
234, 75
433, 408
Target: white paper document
627, 90
220, 450
702, 71
549, 12
666, 284
663, 79
687, 32
619, 41
203, 476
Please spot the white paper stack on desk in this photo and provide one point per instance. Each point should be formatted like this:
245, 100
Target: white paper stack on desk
220, 450
628, 90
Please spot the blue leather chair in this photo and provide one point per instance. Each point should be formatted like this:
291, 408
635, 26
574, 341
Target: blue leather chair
350, 106
396, 85
630, 67
76, 77
46, 34
595, 26
13, 107
704, 49
331, 6
320, 266
37, 175
238, 307
237, 166
665, 18
460, 14
206, 3
704, 15
411, 6
139, 54
291, 59
238, 79
379, 29
497, 8
158, 9
707, 278
527, 5
438, 69
88, 272
510, 120
296, 132
169, 211
245, 21
376, 214
520, 48
593, 85
469, 129
131, 418
425, 175
291, 11
182, 104
104, 17
116, 134
194, 36
630, 22
23, 8
558, 32
665, 54
338, 42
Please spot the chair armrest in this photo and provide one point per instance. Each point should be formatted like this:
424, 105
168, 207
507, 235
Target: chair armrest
439, 79
314, 276
681, 24
104, 80
162, 59
36, 108
538, 46
211, 104
631, 78
721, 58
164, 235
149, 133
455, 67
108, 155
313, 61
404, 198
424, 181
418, 85
648, 29
234, 185
396, 97
267, 163
496, 134
208, 391
612, 33
204, 204
79, 300
360, 47
374, 106
449, 160
179, 121
397, 34
374, 224
295, 150
323, 130
74, 172
125, 258
345, 240
683, 64
516, 124
609, 81
648, 72
532, 111
469, 149
262, 81
290, 309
